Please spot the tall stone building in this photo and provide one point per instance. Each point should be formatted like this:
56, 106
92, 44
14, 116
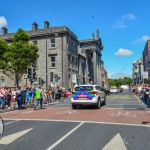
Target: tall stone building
71, 60
146, 59
137, 71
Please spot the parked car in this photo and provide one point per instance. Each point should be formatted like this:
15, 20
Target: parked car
67, 94
113, 90
88, 95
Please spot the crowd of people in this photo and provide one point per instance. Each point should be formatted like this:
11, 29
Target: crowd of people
143, 92
27, 97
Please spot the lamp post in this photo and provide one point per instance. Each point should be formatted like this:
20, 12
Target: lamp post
46, 65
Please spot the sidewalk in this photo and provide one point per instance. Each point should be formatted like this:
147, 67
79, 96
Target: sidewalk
45, 105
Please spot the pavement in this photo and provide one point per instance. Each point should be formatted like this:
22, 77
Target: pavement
44, 106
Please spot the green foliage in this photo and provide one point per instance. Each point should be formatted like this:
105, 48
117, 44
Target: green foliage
18, 56
3, 48
21, 35
119, 82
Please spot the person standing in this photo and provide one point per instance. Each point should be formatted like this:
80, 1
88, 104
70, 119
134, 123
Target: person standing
38, 95
13, 98
49, 93
19, 98
24, 95
28, 97
2, 97
8, 97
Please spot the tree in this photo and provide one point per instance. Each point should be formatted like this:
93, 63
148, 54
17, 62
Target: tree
3, 48
18, 56
119, 82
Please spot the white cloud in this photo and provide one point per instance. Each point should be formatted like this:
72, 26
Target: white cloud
3, 21
128, 16
123, 52
121, 22
143, 38
117, 75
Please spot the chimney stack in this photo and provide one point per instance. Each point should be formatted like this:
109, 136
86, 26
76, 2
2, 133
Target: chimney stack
34, 26
46, 24
4, 30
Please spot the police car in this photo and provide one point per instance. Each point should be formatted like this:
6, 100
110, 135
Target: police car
88, 95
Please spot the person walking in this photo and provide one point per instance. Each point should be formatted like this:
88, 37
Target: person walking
38, 95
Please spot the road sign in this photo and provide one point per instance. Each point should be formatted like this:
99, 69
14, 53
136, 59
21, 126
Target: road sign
145, 75
74, 78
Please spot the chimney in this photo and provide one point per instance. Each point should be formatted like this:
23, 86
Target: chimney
97, 34
34, 26
93, 36
46, 24
4, 30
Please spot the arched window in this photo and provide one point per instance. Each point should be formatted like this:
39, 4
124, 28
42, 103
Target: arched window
2, 81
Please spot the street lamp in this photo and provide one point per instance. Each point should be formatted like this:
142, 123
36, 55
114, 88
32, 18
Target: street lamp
46, 65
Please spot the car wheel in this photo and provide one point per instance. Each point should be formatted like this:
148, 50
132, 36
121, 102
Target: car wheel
98, 106
74, 106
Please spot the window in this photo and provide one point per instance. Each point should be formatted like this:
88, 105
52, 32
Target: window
53, 62
135, 67
52, 43
2, 81
84, 88
68, 61
35, 42
97, 88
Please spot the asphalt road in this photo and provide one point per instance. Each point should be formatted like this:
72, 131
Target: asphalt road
122, 124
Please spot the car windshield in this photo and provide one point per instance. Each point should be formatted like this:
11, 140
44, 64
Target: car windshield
84, 88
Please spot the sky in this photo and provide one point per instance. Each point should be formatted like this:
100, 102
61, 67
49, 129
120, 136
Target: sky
123, 25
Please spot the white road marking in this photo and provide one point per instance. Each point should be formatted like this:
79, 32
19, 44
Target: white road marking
65, 136
127, 114
10, 122
26, 112
12, 137
68, 112
124, 124
116, 143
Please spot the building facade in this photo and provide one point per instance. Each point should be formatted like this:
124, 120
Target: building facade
61, 53
146, 59
138, 71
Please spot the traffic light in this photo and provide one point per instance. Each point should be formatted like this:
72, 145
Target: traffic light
29, 72
39, 81
34, 73
51, 76
56, 77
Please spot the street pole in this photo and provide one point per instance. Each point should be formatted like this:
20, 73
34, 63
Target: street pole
46, 65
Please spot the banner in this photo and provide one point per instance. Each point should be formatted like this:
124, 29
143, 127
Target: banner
145, 75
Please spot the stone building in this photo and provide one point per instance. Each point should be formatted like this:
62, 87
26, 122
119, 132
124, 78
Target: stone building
137, 71
71, 60
146, 59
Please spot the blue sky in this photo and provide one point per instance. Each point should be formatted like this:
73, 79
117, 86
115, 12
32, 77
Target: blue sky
123, 24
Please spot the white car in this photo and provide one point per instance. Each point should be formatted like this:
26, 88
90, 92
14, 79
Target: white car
88, 95
113, 90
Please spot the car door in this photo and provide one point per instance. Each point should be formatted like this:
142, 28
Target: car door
102, 93
99, 92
